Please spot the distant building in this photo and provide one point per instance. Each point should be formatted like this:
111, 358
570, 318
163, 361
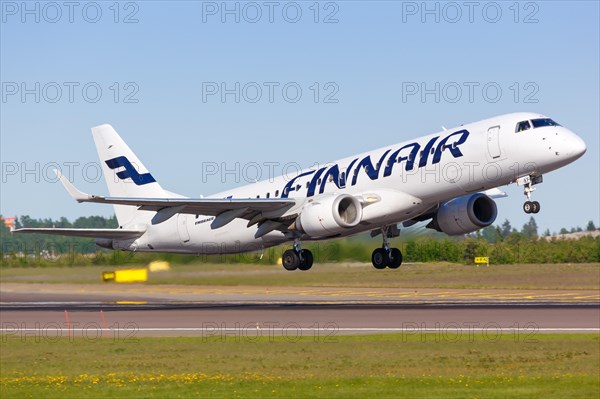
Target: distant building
574, 236
9, 222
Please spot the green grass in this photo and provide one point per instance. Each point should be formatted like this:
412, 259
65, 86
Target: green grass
435, 275
547, 366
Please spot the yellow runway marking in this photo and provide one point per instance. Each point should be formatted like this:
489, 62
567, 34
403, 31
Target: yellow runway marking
553, 295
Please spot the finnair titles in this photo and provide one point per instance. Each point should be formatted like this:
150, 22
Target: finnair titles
411, 152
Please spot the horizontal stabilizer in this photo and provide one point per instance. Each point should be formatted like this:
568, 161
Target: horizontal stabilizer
121, 234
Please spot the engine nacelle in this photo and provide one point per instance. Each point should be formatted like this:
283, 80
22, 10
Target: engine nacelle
329, 215
465, 214
105, 243
125, 245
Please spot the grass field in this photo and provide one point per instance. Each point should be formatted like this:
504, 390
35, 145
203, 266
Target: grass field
544, 366
436, 275
386, 366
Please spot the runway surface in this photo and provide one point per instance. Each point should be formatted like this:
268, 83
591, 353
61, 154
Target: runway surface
30, 292
125, 312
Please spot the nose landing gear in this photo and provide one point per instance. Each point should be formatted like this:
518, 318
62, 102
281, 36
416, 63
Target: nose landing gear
528, 182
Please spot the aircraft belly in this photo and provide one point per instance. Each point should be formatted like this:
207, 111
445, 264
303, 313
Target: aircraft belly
234, 237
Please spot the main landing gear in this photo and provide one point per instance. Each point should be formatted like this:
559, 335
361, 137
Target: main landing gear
385, 256
528, 182
297, 258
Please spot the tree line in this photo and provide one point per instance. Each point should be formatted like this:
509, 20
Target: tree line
502, 243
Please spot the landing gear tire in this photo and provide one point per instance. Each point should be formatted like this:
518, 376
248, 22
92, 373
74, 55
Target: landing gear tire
395, 258
531, 207
380, 258
293, 260
307, 260
290, 260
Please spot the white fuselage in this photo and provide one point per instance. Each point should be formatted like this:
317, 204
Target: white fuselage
403, 180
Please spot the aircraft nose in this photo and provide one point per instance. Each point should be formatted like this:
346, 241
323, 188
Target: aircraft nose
575, 146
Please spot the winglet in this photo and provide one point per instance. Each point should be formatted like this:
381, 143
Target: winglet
71, 189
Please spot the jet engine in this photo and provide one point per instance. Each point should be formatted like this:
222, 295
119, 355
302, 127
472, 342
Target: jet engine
329, 215
465, 214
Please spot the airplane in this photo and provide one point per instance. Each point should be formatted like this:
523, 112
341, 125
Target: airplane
449, 178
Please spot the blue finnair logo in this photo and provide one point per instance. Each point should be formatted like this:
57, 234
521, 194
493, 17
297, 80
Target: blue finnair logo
130, 171
412, 155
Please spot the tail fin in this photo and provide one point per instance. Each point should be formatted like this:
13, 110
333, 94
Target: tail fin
124, 173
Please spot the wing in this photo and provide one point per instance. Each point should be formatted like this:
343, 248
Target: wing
225, 209
92, 233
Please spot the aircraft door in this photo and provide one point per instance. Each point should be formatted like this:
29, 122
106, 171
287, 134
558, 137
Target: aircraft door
182, 228
493, 142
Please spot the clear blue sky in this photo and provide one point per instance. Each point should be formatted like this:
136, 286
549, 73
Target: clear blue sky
544, 56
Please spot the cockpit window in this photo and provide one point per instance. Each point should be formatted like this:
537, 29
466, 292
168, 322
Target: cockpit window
543, 122
522, 126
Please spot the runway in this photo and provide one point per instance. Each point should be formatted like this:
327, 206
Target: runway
233, 313
35, 292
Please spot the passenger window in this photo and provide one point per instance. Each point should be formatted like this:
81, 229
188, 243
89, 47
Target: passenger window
277, 193
268, 195
522, 126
